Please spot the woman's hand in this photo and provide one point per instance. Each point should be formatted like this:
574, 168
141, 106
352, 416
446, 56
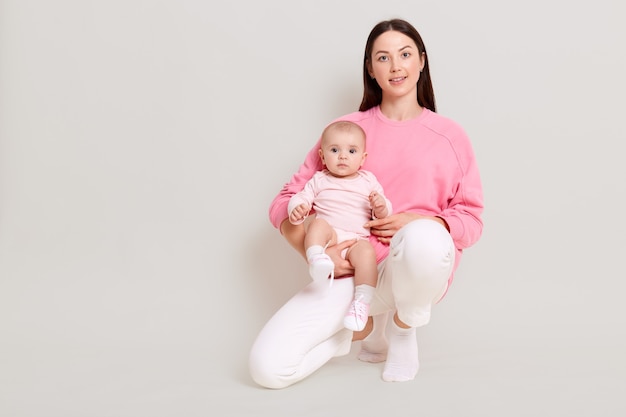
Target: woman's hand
385, 228
343, 267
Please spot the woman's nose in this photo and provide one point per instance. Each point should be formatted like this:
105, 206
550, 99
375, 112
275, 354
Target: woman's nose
394, 66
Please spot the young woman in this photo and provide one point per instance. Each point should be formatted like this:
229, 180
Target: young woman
426, 165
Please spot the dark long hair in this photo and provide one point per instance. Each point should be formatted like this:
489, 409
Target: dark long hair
372, 93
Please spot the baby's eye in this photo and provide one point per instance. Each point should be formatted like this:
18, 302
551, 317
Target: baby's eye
334, 150
352, 150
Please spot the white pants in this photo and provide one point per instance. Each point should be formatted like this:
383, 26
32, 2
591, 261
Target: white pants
308, 330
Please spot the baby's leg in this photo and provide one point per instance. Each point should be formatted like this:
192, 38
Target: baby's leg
363, 257
319, 234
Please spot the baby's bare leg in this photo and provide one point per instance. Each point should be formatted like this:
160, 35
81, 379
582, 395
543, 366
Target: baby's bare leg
363, 258
319, 232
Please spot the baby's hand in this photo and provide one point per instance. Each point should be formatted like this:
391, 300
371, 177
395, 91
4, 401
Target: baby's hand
378, 205
299, 213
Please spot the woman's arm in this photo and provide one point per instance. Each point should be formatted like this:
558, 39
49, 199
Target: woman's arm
385, 228
464, 212
294, 234
278, 207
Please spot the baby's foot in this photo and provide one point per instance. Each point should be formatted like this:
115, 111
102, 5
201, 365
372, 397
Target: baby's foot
320, 267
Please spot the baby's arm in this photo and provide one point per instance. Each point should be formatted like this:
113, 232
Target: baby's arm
301, 203
379, 206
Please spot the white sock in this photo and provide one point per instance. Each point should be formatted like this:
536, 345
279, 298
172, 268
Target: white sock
365, 292
402, 361
320, 267
313, 250
374, 346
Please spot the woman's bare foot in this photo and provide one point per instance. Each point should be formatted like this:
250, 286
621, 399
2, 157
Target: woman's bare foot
362, 334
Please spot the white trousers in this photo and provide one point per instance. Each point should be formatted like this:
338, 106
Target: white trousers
308, 330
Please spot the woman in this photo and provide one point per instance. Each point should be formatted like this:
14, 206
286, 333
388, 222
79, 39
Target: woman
426, 165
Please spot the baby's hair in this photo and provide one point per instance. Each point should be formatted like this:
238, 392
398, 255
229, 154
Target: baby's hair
343, 126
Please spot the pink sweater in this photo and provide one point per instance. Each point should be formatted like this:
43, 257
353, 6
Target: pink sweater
425, 165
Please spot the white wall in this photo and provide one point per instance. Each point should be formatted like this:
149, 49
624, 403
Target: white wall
141, 143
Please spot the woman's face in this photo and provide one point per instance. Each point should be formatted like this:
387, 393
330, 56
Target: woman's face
396, 64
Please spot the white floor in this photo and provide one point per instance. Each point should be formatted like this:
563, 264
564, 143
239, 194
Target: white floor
512, 351
510, 373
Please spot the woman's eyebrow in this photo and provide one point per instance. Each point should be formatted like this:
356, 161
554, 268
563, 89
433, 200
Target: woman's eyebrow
386, 52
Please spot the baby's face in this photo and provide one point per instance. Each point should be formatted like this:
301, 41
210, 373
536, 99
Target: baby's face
343, 152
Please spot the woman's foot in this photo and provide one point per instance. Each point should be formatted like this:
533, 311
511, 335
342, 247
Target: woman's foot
402, 360
360, 335
373, 340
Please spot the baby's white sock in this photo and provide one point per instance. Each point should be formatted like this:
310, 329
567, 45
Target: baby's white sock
320, 264
365, 292
313, 250
402, 361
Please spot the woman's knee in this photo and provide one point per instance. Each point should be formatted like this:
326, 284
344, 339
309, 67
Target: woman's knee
425, 239
264, 374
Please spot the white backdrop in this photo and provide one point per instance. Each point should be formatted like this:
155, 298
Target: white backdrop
141, 143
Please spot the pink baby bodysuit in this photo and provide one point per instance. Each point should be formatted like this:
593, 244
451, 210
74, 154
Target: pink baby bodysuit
342, 202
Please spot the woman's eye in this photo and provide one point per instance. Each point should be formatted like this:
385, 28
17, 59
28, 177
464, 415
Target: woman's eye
382, 58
